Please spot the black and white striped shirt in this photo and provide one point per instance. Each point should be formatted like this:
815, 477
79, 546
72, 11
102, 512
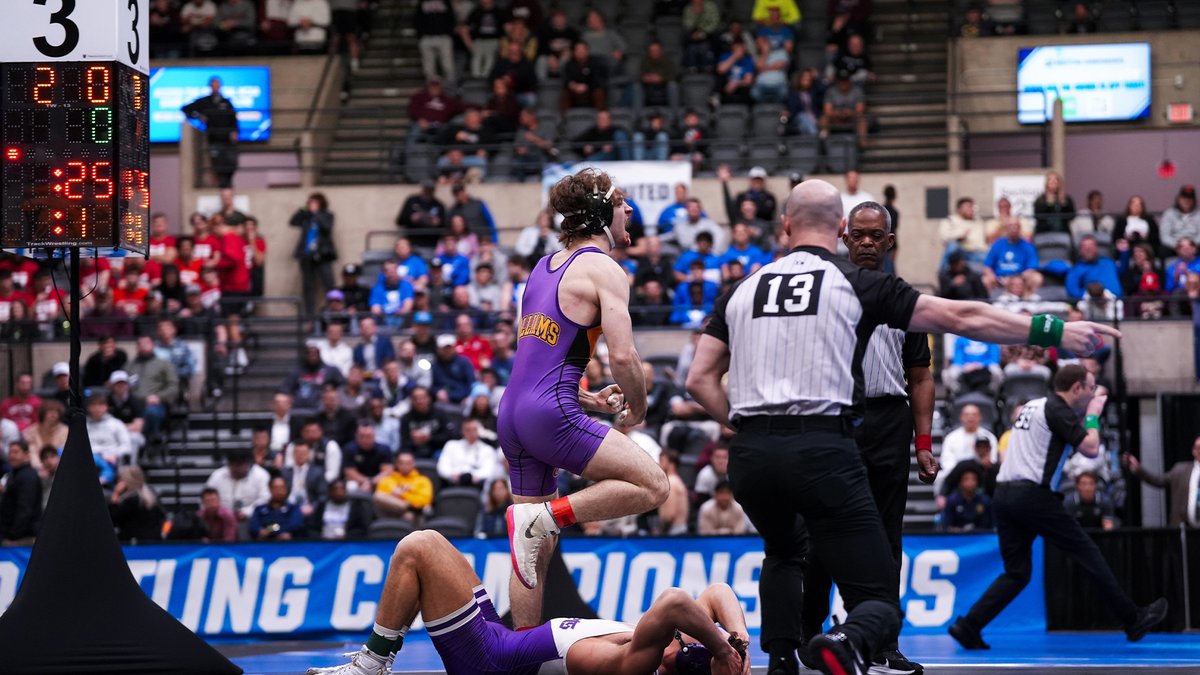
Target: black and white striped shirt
797, 330
1040, 436
890, 353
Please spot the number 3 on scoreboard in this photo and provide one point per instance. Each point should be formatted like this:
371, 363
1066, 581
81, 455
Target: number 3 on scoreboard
70, 31
135, 47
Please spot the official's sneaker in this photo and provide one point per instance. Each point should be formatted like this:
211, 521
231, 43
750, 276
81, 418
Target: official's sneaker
807, 657
528, 527
835, 654
362, 662
1147, 617
966, 636
892, 662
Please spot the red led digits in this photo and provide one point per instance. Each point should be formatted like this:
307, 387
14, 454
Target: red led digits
100, 175
83, 172
137, 92
12, 154
106, 180
45, 79
98, 90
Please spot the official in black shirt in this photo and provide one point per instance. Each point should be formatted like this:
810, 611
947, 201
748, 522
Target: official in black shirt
220, 128
792, 338
21, 503
899, 394
1027, 507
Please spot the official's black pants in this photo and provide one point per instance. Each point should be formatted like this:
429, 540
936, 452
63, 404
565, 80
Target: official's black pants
784, 467
885, 440
1025, 511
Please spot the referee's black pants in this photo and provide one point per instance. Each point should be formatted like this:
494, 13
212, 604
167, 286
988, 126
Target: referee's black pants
1024, 511
885, 440
784, 467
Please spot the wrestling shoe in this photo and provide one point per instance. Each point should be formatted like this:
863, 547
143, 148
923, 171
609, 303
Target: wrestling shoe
362, 662
966, 636
892, 662
835, 654
1147, 617
528, 527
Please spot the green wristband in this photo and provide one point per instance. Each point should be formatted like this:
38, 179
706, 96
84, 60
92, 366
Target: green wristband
1091, 422
1045, 330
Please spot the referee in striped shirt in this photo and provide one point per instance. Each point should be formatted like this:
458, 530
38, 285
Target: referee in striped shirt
792, 338
899, 399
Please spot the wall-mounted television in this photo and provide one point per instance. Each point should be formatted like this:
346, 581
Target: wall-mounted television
247, 87
1097, 83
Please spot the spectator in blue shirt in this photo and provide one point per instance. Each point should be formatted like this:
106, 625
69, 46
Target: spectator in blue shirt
410, 265
777, 33
694, 298
453, 374
967, 508
750, 256
703, 253
278, 519
1092, 267
975, 365
456, 267
675, 212
735, 72
1012, 256
1186, 262
392, 297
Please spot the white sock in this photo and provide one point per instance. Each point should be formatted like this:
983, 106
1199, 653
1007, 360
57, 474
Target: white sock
388, 633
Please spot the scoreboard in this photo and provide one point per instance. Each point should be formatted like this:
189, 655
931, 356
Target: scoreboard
74, 160
74, 125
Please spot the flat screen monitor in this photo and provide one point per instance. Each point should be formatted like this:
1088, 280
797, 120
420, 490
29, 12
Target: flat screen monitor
1097, 83
247, 87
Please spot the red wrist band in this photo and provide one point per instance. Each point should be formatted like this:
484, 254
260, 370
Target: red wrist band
924, 442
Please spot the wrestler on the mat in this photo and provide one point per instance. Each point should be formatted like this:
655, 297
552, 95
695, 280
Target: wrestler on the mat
427, 574
570, 297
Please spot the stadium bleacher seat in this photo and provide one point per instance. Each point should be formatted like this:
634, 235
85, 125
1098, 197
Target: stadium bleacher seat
1019, 387
577, 121
450, 528
726, 152
765, 153
393, 529
1052, 246
803, 153
765, 120
459, 503
731, 122
1105, 242
474, 92
549, 91
694, 90
419, 163
548, 124
841, 153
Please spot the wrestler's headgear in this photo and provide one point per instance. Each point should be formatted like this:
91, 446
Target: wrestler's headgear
597, 215
693, 658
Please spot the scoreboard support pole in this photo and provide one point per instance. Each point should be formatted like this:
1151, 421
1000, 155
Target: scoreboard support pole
76, 333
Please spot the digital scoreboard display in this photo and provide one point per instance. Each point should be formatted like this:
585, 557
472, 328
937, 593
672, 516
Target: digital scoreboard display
74, 157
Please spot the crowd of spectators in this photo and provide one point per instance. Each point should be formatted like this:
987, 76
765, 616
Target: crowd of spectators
519, 73
257, 27
990, 18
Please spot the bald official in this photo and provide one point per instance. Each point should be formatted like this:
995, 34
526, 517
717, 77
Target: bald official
792, 338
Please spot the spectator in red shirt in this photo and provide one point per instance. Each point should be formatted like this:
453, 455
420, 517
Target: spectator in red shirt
162, 244
130, 297
94, 274
47, 304
430, 109
205, 244
256, 257
23, 269
219, 520
23, 405
231, 263
10, 296
477, 349
188, 263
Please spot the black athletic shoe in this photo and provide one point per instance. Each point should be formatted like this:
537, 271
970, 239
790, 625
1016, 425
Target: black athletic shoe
892, 662
1147, 617
968, 637
807, 657
835, 654
782, 665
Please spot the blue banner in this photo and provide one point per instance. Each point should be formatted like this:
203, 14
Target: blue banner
316, 589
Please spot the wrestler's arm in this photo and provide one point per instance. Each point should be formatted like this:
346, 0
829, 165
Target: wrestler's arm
623, 359
674, 609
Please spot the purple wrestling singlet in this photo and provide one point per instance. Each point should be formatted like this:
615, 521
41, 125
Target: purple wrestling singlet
542, 427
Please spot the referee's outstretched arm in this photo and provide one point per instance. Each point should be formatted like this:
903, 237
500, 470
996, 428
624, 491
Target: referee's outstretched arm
983, 322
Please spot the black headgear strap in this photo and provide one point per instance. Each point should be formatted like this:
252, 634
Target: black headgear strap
598, 214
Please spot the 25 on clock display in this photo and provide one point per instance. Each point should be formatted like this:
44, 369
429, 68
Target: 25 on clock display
74, 156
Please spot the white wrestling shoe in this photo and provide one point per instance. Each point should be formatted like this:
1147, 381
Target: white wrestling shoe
362, 662
528, 527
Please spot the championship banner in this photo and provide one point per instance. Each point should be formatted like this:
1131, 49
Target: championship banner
319, 589
651, 185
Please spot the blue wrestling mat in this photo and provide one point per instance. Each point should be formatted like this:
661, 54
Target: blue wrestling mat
1025, 652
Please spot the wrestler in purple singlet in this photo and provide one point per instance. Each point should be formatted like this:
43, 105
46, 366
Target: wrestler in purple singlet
542, 427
